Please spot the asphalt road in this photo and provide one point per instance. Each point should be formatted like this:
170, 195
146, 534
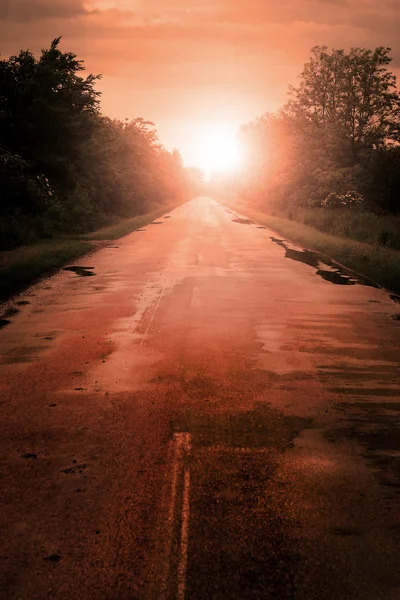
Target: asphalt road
201, 412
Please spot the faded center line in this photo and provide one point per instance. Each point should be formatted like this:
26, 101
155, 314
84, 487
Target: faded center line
184, 541
178, 516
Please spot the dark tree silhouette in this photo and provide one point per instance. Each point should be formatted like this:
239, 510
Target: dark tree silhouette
63, 166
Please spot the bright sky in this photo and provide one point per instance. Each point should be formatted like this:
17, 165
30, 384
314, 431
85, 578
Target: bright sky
197, 68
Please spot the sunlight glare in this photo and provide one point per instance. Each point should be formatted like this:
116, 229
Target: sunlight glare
219, 150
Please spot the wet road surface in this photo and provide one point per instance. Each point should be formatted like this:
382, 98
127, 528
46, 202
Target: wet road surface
200, 410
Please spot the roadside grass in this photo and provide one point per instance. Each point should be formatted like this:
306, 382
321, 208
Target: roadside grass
23, 266
358, 225
126, 226
378, 263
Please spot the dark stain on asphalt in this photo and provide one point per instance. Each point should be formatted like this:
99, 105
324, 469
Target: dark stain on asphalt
81, 271
74, 469
379, 392
375, 426
259, 428
344, 531
22, 354
233, 555
243, 221
396, 317
395, 298
54, 558
29, 456
10, 312
4, 322
22, 302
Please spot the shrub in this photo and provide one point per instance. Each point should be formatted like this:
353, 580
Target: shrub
349, 199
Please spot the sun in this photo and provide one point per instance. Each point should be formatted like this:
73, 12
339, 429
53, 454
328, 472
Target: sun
219, 150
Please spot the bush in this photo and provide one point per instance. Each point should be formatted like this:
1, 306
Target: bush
349, 199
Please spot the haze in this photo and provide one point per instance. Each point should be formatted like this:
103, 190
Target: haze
193, 66
199, 358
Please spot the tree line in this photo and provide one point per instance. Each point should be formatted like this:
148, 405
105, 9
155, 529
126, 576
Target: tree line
66, 168
334, 144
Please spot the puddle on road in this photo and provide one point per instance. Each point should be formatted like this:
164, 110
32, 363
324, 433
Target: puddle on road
10, 312
7, 314
81, 271
278, 241
338, 275
54, 558
243, 221
29, 456
304, 256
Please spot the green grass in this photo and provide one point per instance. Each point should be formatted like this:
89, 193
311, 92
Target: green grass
25, 265
126, 226
376, 230
21, 267
379, 263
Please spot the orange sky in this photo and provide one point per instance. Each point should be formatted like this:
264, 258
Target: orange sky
194, 66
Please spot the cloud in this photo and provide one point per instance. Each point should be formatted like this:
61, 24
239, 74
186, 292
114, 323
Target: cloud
182, 50
28, 10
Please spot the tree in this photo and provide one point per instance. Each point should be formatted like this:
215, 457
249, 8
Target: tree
338, 136
63, 166
46, 111
349, 100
